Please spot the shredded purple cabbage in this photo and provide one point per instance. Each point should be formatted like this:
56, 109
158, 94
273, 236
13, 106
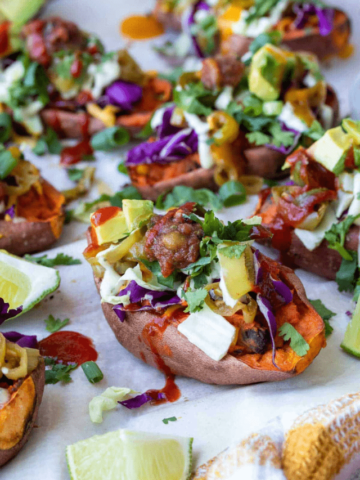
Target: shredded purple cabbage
265, 309
348, 313
282, 148
124, 94
6, 313
25, 341
189, 20
139, 400
157, 299
166, 128
325, 17
258, 269
168, 149
283, 290
10, 211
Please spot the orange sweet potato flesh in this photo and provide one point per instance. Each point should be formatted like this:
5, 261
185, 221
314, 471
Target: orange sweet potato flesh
44, 216
18, 416
185, 359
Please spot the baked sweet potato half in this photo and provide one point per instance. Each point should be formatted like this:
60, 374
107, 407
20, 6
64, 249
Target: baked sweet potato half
82, 89
197, 303
32, 210
20, 396
314, 220
228, 122
320, 30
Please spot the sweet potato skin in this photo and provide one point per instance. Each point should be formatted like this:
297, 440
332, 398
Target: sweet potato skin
199, 178
185, 359
38, 378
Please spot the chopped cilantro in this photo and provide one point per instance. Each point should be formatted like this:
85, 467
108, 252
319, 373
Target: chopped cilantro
195, 98
297, 341
345, 276
181, 194
232, 193
55, 324
122, 169
206, 31
48, 143
5, 127
337, 234
75, 174
316, 131
58, 372
60, 259
173, 75
195, 299
325, 314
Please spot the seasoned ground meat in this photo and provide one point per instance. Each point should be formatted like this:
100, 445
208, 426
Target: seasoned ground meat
174, 240
220, 71
45, 37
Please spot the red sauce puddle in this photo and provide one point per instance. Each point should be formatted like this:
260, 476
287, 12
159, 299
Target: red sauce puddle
171, 392
68, 347
76, 153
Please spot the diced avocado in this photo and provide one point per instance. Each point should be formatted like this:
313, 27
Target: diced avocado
113, 228
137, 212
273, 109
267, 72
19, 11
237, 274
331, 147
352, 127
116, 252
351, 342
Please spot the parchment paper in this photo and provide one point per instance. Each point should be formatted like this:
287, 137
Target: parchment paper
214, 416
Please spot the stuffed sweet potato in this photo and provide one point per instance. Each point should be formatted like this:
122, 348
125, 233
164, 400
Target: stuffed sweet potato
314, 220
21, 389
232, 27
231, 120
31, 209
79, 89
191, 297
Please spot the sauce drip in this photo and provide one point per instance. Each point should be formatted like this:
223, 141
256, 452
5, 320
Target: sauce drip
103, 215
141, 27
153, 330
4, 38
68, 347
72, 155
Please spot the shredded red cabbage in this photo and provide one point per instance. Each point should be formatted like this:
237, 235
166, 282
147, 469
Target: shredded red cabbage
120, 313
189, 20
258, 268
124, 94
165, 128
325, 17
140, 400
283, 290
10, 211
168, 149
6, 313
265, 309
25, 341
282, 148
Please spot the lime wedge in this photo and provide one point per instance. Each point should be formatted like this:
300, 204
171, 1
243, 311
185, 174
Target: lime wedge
129, 455
25, 283
351, 342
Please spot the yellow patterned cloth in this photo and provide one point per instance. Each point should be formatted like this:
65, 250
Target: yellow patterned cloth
321, 444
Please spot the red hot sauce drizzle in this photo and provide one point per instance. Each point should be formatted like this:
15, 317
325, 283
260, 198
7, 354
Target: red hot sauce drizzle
68, 347
76, 153
4, 38
155, 329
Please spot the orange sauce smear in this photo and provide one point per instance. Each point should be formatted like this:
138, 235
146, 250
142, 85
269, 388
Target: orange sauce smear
141, 27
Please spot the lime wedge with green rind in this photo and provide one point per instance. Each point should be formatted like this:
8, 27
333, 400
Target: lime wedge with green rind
351, 342
25, 283
130, 455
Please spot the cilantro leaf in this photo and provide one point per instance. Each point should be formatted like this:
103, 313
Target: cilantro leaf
325, 314
155, 269
173, 75
170, 419
195, 299
182, 194
345, 276
60, 259
75, 174
129, 192
55, 324
195, 98
258, 138
122, 168
281, 137
48, 143
59, 373
232, 193
297, 341
337, 234
316, 131
233, 251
